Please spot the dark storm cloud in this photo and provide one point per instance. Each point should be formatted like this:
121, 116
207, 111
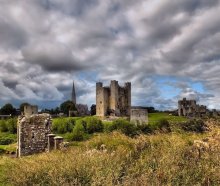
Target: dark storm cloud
43, 49
11, 35
51, 57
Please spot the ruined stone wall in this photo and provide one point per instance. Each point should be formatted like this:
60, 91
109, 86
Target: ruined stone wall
186, 107
32, 134
139, 116
113, 100
190, 108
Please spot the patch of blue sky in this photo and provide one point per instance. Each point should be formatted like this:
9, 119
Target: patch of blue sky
168, 85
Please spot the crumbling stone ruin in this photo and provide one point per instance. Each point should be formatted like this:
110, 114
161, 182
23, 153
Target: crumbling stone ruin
191, 109
34, 135
30, 109
139, 115
114, 100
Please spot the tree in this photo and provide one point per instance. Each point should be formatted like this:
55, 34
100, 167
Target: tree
66, 106
8, 109
93, 110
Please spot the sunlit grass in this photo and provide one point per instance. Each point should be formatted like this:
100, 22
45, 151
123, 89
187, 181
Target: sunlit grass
115, 159
155, 117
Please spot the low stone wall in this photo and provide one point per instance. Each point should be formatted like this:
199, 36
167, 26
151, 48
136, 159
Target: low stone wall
139, 116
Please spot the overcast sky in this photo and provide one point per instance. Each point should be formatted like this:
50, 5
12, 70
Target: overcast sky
168, 49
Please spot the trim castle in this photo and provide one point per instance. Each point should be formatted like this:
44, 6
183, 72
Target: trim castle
114, 100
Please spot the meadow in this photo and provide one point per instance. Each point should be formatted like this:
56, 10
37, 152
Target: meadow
112, 156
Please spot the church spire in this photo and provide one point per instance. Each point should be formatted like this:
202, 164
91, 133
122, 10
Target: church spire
73, 94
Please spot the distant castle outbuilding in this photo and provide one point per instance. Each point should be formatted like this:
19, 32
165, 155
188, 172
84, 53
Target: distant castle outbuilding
114, 100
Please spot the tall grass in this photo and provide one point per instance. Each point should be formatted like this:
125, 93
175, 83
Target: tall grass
115, 159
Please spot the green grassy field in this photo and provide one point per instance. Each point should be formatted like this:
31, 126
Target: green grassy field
155, 117
112, 158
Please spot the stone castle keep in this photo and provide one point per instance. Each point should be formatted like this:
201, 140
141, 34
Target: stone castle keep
113, 100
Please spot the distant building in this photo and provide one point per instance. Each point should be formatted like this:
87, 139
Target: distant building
114, 100
82, 109
30, 109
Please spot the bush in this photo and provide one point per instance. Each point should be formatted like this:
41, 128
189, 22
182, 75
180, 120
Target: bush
3, 126
93, 125
163, 125
6, 141
78, 131
9, 125
122, 125
12, 125
6, 138
63, 125
194, 126
144, 128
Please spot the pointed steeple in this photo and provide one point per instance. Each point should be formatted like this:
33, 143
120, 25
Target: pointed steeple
73, 94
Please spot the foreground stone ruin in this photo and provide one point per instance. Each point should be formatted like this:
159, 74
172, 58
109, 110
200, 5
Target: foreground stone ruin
34, 135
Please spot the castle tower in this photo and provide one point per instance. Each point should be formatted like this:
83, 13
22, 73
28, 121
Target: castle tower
73, 94
114, 96
113, 100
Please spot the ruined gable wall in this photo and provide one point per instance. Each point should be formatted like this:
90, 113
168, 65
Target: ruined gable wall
32, 134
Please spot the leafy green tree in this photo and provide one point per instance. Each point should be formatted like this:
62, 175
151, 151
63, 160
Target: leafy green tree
8, 109
93, 110
66, 106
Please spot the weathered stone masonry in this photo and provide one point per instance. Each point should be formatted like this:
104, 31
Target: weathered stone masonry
33, 134
114, 100
139, 115
190, 108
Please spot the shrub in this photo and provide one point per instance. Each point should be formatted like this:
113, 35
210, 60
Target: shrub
63, 125
194, 126
12, 125
144, 128
9, 125
3, 126
78, 131
163, 125
6, 138
93, 125
6, 141
122, 125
